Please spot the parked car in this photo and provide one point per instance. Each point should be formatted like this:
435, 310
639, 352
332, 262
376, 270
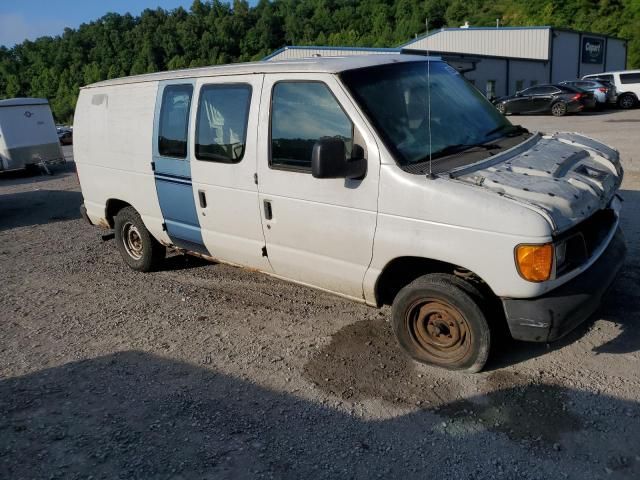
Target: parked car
627, 84
386, 179
603, 91
65, 136
555, 99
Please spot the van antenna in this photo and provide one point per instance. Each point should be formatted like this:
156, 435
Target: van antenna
430, 176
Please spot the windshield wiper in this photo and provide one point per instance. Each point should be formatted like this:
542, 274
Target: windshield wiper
509, 130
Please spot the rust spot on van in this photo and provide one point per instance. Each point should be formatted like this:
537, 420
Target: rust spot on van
103, 223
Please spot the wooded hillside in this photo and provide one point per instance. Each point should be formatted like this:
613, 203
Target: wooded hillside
213, 32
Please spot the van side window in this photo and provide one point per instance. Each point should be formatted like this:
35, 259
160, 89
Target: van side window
301, 114
174, 121
221, 129
626, 78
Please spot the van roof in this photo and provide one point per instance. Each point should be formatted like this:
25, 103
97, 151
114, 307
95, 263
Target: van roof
18, 102
304, 65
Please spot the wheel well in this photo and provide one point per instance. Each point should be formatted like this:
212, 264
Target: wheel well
113, 207
404, 270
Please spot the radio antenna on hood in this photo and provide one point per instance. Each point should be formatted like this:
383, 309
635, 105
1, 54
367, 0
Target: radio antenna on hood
431, 176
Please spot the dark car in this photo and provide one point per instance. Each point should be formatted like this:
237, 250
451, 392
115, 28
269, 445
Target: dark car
556, 99
65, 136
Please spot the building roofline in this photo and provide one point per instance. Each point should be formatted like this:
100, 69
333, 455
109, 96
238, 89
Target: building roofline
443, 54
545, 27
454, 29
326, 47
604, 35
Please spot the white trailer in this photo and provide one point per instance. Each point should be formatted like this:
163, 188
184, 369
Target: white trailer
28, 134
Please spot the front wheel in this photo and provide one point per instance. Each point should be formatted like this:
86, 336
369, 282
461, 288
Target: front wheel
502, 108
137, 246
559, 109
437, 320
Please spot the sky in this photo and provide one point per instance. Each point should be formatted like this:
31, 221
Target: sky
30, 19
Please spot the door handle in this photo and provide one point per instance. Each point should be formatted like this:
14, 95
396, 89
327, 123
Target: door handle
203, 198
268, 212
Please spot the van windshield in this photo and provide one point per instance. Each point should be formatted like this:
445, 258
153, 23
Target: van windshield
395, 97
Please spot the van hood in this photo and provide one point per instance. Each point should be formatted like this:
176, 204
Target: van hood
566, 177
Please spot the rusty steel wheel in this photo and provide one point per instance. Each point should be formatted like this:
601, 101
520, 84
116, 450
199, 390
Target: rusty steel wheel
438, 320
132, 240
439, 329
137, 246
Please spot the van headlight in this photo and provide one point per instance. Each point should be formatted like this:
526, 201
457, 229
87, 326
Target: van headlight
535, 262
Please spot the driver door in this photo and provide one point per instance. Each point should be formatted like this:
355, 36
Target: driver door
318, 231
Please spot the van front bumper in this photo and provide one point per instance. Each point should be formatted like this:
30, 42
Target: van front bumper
553, 315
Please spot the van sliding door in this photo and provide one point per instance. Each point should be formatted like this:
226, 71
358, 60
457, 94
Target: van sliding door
172, 167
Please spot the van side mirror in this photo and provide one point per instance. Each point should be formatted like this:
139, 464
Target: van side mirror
328, 160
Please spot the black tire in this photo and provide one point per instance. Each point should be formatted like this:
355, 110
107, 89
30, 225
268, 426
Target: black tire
32, 169
626, 102
137, 246
559, 109
438, 319
502, 108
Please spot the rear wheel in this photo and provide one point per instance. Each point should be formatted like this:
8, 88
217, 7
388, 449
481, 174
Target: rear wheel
438, 320
137, 246
626, 101
559, 109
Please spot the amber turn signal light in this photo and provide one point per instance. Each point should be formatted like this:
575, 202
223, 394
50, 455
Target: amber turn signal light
535, 262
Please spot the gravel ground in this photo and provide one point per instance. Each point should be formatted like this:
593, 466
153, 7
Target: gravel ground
207, 371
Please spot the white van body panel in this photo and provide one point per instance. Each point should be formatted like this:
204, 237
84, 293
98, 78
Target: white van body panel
449, 222
27, 133
112, 150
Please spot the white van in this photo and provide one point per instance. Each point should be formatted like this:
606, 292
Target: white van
387, 179
28, 135
627, 84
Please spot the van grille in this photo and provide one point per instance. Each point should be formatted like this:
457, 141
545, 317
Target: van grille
585, 238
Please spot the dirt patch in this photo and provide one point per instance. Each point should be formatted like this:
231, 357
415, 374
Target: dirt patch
363, 361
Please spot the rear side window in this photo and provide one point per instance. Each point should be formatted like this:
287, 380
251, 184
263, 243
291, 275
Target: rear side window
174, 121
301, 114
221, 129
608, 78
532, 91
627, 78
